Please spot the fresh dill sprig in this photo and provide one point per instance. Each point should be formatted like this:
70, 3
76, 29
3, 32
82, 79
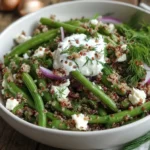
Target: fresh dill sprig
140, 36
95, 16
73, 49
138, 51
87, 61
61, 91
76, 63
136, 19
137, 55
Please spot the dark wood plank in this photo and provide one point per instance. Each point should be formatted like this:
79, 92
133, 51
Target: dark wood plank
44, 147
7, 18
13, 140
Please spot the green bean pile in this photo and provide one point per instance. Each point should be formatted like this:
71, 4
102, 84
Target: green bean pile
103, 99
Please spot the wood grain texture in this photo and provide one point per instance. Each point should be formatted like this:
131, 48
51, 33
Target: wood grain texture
13, 140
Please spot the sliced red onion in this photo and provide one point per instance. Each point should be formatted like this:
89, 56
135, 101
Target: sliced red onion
108, 19
148, 82
62, 33
49, 74
147, 78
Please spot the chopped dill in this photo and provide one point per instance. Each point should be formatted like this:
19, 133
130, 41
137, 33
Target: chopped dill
76, 63
73, 49
87, 61
61, 91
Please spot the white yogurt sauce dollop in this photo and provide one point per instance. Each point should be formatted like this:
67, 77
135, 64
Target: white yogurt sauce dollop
88, 64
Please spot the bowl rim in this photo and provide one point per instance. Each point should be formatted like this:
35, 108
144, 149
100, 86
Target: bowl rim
69, 132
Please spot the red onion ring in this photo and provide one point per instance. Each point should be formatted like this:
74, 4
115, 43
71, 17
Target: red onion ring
49, 74
147, 78
108, 19
62, 33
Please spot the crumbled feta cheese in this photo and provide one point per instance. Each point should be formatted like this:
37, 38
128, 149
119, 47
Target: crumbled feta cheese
14, 76
25, 68
111, 27
21, 38
124, 47
137, 96
4, 83
122, 58
11, 103
2, 91
25, 56
39, 52
81, 121
89, 64
61, 91
94, 21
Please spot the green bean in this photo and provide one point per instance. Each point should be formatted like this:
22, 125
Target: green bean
46, 94
108, 119
27, 79
51, 116
102, 111
34, 67
65, 111
92, 103
58, 124
67, 27
104, 31
114, 87
97, 92
20, 106
77, 22
35, 41
118, 117
125, 103
74, 22
105, 81
15, 90
41, 83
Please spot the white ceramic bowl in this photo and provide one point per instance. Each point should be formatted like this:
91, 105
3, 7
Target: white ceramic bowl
70, 139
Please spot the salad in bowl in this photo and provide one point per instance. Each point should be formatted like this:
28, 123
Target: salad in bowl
82, 74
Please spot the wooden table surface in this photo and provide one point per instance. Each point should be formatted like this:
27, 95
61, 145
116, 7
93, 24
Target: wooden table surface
10, 139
